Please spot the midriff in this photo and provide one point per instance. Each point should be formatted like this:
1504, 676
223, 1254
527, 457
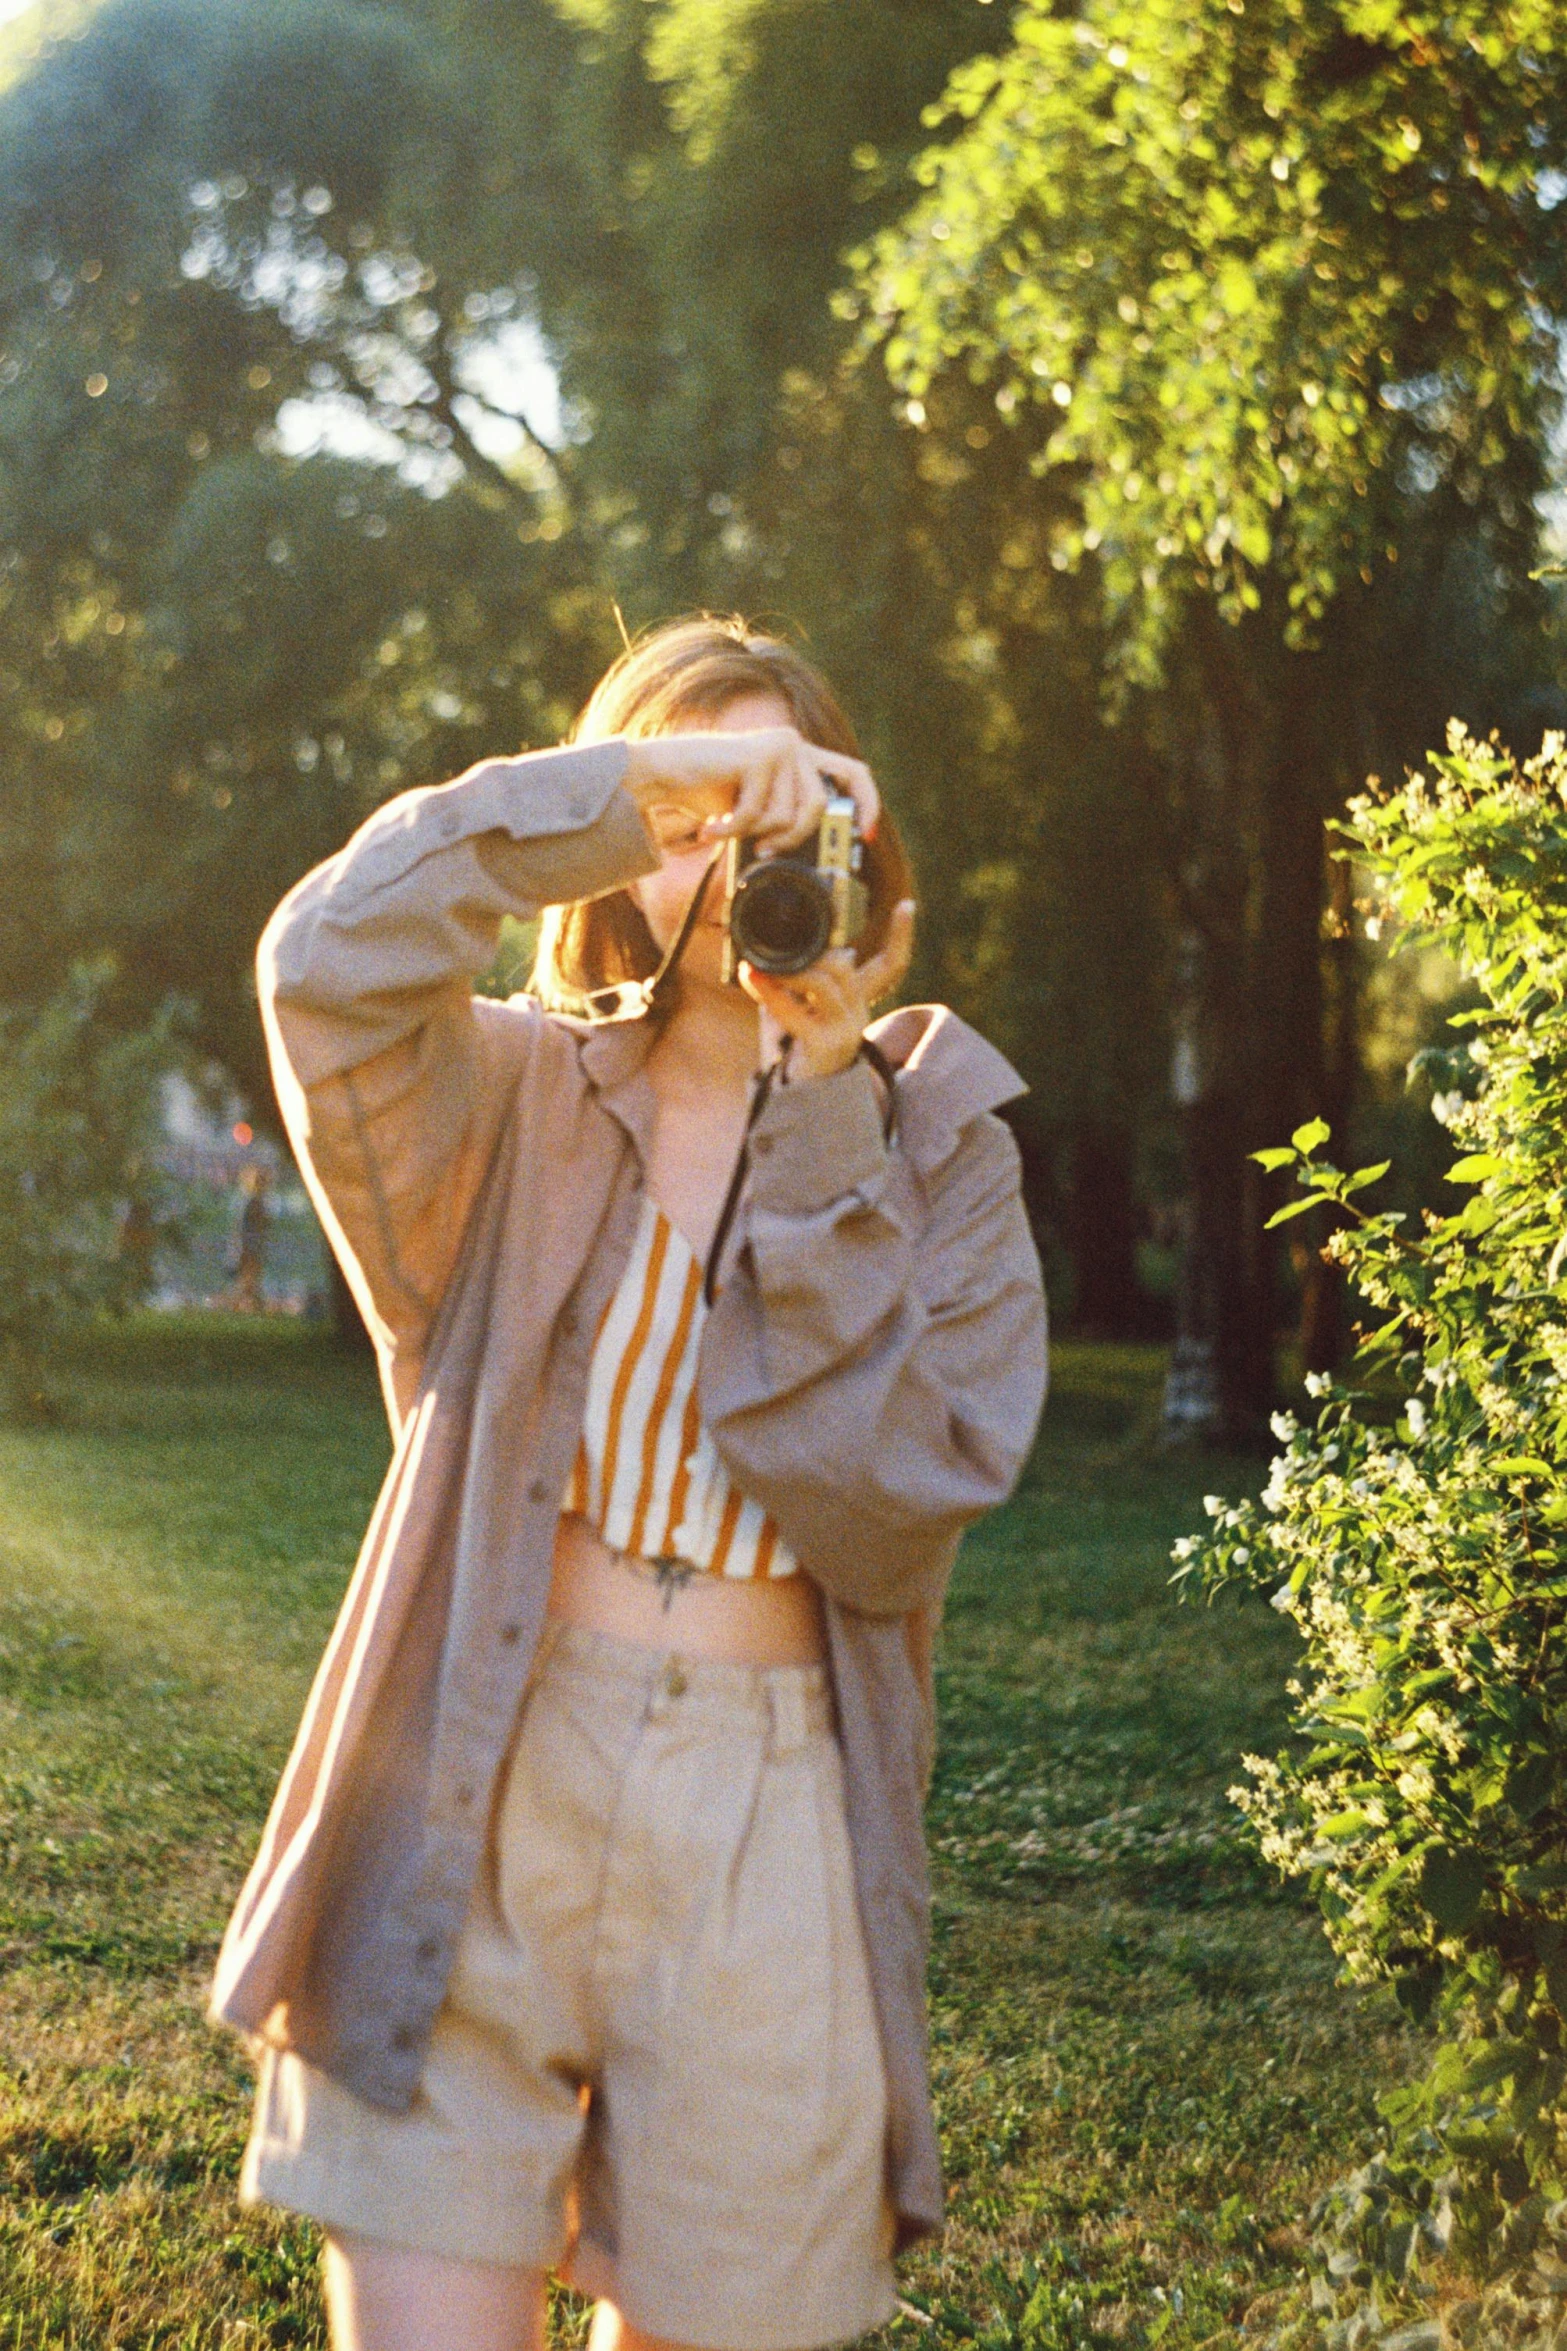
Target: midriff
775, 1622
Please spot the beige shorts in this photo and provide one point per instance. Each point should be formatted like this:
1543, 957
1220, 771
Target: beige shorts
657, 2069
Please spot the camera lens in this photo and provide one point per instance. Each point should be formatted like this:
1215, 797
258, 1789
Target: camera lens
780, 917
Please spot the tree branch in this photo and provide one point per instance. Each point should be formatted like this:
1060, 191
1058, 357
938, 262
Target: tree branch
447, 393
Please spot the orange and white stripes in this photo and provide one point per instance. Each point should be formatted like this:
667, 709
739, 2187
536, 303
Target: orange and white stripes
647, 1474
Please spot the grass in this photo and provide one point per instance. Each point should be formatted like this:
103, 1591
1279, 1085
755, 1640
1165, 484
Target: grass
1143, 2065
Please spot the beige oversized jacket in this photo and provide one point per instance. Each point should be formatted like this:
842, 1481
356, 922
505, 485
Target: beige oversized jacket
872, 1372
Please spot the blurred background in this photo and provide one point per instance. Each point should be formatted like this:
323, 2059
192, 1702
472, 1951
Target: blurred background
1147, 415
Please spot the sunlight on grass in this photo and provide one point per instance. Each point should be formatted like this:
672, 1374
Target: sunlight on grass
1142, 2064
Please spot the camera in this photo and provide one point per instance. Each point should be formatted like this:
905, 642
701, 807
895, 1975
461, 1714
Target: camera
785, 912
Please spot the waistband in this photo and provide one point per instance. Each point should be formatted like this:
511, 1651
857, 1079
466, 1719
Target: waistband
792, 1702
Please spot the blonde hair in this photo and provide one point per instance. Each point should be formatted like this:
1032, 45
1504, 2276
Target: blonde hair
689, 672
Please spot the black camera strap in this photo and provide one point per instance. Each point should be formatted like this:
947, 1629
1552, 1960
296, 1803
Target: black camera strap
762, 1085
634, 999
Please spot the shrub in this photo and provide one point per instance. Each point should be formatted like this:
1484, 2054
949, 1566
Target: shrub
78, 1108
1415, 1530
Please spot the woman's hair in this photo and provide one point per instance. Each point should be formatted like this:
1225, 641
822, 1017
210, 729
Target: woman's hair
687, 674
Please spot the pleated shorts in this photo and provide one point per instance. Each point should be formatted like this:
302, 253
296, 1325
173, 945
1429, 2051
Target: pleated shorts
657, 2069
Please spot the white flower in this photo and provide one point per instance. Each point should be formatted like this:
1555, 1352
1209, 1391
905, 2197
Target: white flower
1415, 1414
1283, 1600
1317, 1383
1240, 1554
1283, 1426
1213, 1504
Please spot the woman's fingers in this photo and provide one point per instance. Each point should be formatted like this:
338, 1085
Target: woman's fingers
855, 778
825, 1009
888, 967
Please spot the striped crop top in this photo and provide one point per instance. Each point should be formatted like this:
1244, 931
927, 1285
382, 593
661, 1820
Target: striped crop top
647, 1475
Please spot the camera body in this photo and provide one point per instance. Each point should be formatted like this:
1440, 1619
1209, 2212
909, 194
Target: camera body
786, 912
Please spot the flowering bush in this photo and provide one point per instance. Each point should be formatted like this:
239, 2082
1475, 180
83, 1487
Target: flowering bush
1415, 1530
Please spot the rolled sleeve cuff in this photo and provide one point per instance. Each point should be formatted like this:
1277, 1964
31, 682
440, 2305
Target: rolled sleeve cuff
572, 797
817, 1140
540, 793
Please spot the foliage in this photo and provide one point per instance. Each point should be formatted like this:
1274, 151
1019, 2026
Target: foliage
1265, 292
416, 339
78, 1106
1259, 264
1416, 1533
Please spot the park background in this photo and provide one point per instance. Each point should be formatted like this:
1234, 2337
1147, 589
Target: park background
1149, 417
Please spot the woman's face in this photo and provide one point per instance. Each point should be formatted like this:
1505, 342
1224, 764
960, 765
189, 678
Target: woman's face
664, 896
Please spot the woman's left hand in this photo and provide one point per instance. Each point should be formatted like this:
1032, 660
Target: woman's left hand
825, 1009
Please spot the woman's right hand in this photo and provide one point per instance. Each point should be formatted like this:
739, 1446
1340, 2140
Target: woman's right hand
769, 786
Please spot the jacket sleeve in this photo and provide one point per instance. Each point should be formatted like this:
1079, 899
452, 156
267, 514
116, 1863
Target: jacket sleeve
875, 1367
394, 1081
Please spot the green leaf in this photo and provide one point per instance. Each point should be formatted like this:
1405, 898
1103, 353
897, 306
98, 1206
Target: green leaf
1514, 1465
1342, 1825
1280, 1156
1475, 1168
1306, 1138
1452, 1886
1294, 1208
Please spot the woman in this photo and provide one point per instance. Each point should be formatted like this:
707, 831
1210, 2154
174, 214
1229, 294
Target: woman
588, 1928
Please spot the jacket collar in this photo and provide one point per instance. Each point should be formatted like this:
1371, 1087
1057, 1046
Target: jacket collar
947, 1075
614, 1058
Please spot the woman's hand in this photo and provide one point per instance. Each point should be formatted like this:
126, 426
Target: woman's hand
770, 786
825, 1009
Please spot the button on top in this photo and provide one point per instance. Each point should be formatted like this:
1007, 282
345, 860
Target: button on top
675, 1678
464, 1795
405, 2037
428, 1949
537, 1491
511, 1634
761, 1145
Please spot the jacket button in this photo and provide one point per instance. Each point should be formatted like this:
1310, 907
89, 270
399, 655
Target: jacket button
464, 1795
761, 1145
428, 1949
511, 1634
537, 1491
405, 2037
568, 1323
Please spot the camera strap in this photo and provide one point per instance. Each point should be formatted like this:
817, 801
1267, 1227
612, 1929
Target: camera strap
762, 1085
632, 999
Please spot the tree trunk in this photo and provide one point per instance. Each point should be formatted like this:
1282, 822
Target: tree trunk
1220, 1385
1322, 1283
1102, 1236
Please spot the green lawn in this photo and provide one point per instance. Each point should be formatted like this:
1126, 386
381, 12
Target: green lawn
1143, 2064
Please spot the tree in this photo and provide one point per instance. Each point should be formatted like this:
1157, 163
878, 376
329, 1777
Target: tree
1280, 279
78, 1112
220, 655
